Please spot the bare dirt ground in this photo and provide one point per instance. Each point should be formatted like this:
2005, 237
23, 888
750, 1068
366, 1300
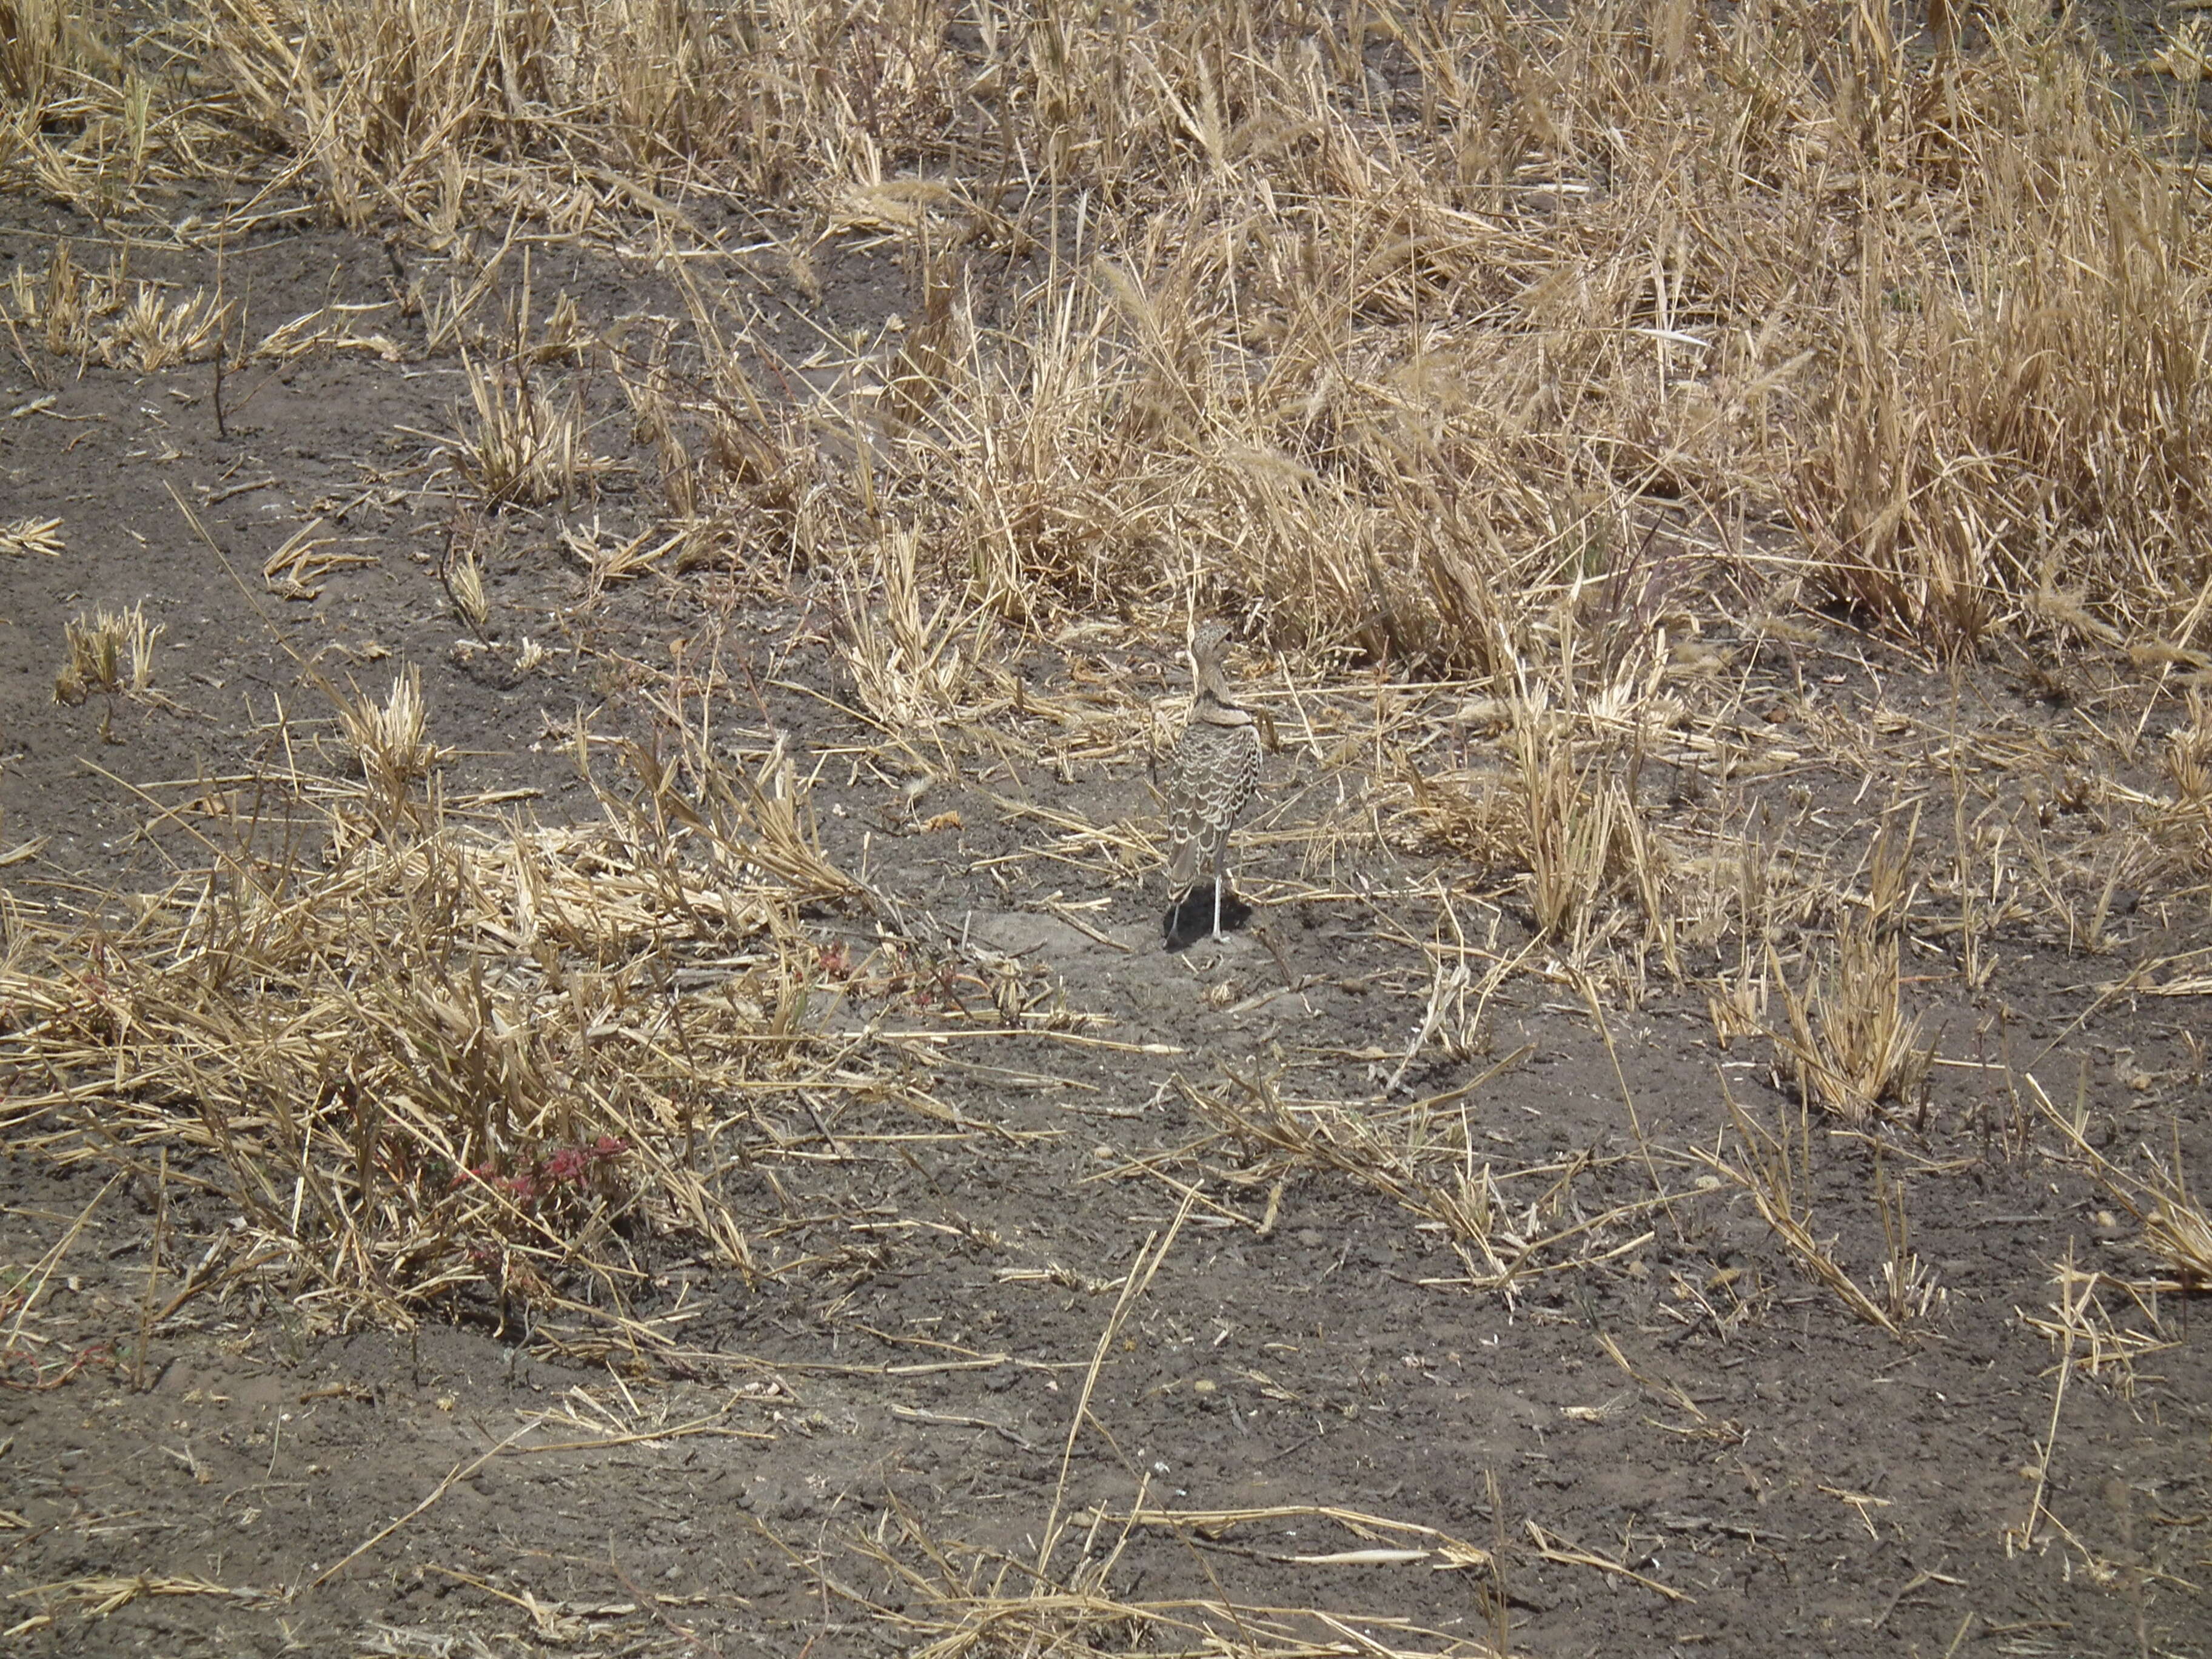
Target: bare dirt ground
1760, 1231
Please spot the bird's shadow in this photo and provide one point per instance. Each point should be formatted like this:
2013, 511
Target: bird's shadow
1190, 918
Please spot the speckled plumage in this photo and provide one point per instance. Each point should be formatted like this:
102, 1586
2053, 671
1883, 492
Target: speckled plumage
1216, 764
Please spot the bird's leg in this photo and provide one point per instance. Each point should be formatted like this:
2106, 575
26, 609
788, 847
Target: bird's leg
1216, 905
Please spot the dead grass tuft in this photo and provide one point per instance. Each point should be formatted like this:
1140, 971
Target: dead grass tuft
36, 48
915, 671
527, 444
1576, 839
108, 653
2093, 1339
1850, 1044
478, 1057
2177, 1229
152, 334
389, 740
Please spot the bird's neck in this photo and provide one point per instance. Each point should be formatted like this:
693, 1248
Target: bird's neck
1215, 707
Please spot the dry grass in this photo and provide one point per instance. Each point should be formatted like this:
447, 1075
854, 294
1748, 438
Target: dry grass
916, 670
1513, 379
955, 1600
1576, 836
27, 536
2097, 1342
388, 741
1772, 1168
1507, 1228
1850, 1044
526, 443
109, 653
414, 106
152, 333
71, 309
2154, 1191
1385, 332
460, 1042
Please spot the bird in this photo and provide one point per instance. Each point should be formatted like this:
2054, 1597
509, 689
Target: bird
1217, 763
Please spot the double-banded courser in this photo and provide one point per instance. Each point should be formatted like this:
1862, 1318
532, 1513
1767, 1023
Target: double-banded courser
1217, 761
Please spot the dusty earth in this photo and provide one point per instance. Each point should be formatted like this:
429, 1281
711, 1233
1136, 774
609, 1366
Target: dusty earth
1666, 1433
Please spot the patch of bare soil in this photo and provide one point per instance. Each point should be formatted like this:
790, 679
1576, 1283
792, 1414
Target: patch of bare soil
588, 1059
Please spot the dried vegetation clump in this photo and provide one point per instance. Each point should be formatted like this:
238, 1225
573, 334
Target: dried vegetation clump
428, 1057
1851, 1045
